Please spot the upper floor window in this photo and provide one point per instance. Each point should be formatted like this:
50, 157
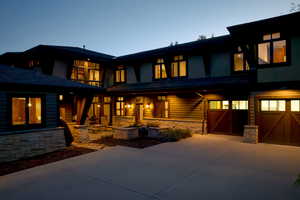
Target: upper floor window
178, 67
239, 61
33, 63
120, 75
272, 50
160, 69
26, 110
87, 72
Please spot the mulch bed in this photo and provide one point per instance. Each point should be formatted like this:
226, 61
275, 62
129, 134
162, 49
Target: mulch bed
14, 166
139, 143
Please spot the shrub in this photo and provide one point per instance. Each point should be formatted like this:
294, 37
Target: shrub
297, 182
177, 134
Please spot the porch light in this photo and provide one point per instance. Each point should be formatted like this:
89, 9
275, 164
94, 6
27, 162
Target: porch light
29, 104
147, 106
128, 105
98, 105
61, 97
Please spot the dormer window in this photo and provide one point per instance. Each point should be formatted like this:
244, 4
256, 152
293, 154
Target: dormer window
239, 61
272, 49
120, 75
178, 67
160, 69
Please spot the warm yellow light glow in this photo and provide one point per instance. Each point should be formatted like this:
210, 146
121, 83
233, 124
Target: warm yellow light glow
29, 104
61, 97
147, 106
98, 105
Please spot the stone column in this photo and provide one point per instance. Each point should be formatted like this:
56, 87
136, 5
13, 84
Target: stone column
82, 134
251, 130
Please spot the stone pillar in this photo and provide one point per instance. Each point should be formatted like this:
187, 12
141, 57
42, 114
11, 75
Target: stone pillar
251, 130
251, 134
81, 134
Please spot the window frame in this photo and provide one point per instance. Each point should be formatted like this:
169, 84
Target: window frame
184, 59
155, 63
122, 108
239, 50
120, 69
27, 125
283, 37
273, 111
221, 103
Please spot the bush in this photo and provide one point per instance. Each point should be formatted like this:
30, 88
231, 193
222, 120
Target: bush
297, 182
177, 134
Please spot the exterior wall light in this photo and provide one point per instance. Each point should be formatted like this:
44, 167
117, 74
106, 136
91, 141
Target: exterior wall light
98, 105
29, 104
147, 106
61, 97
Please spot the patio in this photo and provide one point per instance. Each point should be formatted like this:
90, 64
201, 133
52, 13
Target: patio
202, 167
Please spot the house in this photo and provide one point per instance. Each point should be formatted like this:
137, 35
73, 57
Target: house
29, 116
245, 83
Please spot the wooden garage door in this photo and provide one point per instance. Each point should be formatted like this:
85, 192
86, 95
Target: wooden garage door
227, 117
279, 121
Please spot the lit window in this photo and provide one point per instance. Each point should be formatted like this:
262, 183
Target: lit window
178, 67
161, 107
120, 75
295, 105
120, 108
26, 110
272, 50
87, 72
94, 111
219, 105
273, 105
239, 61
240, 105
160, 69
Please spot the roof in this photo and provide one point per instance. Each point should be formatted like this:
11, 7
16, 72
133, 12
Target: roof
13, 76
206, 44
197, 84
70, 51
284, 22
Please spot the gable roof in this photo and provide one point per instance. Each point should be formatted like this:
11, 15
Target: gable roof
14, 76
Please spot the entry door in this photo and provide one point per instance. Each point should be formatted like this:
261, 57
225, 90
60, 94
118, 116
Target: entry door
140, 112
106, 114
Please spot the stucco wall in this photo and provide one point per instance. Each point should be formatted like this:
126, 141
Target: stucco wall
196, 67
146, 72
220, 64
131, 77
60, 69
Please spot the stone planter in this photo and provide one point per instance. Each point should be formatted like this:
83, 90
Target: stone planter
81, 134
153, 132
126, 133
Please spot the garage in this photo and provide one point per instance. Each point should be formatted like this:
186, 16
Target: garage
227, 116
278, 121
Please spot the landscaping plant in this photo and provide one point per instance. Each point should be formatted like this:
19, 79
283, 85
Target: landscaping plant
177, 134
297, 182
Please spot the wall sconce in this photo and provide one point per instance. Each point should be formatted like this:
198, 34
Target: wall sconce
61, 97
29, 104
128, 106
147, 106
98, 105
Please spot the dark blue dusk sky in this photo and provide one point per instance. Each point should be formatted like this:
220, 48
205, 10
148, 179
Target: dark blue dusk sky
120, 27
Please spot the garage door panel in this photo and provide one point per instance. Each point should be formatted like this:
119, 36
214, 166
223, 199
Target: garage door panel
219, 121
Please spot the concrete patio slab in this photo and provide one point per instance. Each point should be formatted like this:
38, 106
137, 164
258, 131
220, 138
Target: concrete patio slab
202, 167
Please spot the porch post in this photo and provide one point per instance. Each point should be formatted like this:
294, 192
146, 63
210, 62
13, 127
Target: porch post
83, 105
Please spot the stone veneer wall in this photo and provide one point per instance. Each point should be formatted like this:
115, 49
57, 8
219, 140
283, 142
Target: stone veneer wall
24, 144
196, 126
123, 121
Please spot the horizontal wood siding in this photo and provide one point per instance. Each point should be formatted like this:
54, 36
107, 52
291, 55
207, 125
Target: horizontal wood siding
3, 111
148, 112
185, 106
51, 110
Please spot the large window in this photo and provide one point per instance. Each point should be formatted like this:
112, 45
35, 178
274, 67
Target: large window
120, 75
26, 110
160, 69
272, 50
120, 108
94, 111
272, 105
239, 61
162, 107
178, 67
87, 72
219, 105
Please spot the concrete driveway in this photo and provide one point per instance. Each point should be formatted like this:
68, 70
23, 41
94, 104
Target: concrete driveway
202, 167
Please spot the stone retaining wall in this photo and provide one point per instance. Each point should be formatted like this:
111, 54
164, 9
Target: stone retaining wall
123, 121
17, 145
196, 126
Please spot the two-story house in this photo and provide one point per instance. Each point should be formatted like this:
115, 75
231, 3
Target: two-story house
245, 83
